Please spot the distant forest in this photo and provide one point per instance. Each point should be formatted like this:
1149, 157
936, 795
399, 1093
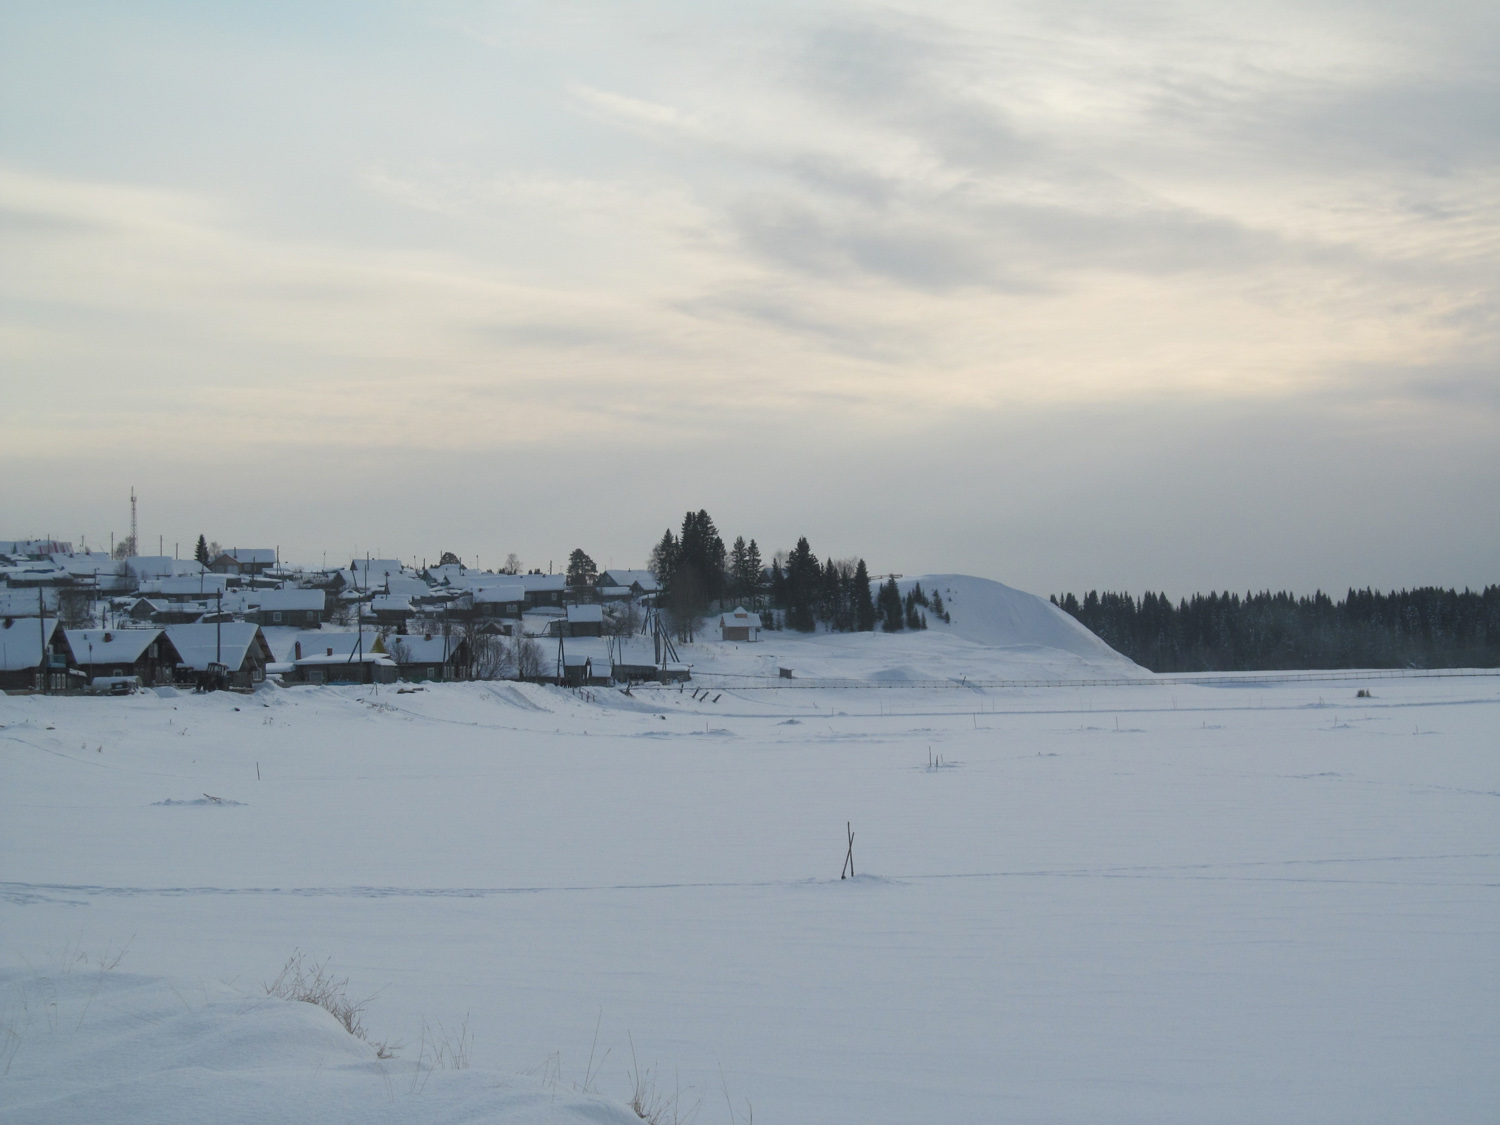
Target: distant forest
1424, 628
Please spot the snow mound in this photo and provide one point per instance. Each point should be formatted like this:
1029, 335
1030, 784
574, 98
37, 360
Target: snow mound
990, 613
207, 801
107, 1046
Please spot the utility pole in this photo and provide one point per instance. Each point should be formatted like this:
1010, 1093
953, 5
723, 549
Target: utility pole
41, 624
135, 544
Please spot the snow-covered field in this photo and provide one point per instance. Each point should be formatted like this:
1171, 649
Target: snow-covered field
1146, 902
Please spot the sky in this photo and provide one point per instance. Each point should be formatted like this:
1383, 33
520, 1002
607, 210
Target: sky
1070, 295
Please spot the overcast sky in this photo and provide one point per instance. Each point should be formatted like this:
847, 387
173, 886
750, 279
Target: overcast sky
1071, 295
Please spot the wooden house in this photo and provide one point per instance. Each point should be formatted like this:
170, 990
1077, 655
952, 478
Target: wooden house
239, 646
146, 655
429, 656
305, 608
244, 560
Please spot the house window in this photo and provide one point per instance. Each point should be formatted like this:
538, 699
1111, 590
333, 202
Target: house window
276, 617
432, 673
312, 615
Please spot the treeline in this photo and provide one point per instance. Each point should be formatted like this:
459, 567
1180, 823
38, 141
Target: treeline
1423, 628
796, 591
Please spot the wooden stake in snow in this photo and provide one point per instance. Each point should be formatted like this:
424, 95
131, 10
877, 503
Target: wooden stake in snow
847, 872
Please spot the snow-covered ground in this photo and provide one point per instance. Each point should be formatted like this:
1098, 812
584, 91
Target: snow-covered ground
1147, 902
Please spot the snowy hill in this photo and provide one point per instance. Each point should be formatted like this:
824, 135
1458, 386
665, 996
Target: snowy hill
997, 633
990, 613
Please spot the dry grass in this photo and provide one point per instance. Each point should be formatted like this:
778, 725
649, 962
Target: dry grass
652, 1105
310, 982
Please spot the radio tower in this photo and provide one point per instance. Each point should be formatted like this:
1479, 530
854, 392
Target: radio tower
134, 544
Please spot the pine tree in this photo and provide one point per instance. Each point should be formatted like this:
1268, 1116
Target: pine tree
200, 552
864, 605
581, 569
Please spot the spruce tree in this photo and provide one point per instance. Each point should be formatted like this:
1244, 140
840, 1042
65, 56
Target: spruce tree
738, 569
752, 579
864, 605
200, 552
802, 574
892, 619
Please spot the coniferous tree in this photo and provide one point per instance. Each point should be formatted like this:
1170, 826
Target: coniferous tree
778, 585
664, 556
913, 620
752, 578
802, 574
200, 552
864, 605
581, 569
892, 616
738, 585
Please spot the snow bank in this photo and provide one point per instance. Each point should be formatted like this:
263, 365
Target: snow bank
87, 1044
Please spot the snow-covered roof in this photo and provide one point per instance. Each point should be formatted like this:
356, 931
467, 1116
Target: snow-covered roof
508, 594
146, 567
21, 642
645, 578
199, 645
424, 649
294, 600
368, 657
86, 563
586, 614
580, 650
109, 646
253, 556
390, 603
27, 603
738, 618
187, 586
613, 591
538, 583
320, 641
34, 547
448, 572
408, 584
376, 569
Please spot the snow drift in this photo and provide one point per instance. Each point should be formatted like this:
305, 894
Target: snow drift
88, 1044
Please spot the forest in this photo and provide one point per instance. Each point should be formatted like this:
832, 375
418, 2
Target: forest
1422, 628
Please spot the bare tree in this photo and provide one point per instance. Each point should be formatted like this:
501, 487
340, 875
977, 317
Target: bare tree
528, 657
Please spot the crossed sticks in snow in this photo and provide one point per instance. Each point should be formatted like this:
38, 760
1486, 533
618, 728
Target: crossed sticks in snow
847, 871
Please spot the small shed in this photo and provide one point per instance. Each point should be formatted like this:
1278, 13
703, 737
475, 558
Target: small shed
739, 624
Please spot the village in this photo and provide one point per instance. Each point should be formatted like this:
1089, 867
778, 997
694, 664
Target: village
89, 622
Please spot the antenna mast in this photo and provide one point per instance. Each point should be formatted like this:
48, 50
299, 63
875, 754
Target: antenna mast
135, 547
